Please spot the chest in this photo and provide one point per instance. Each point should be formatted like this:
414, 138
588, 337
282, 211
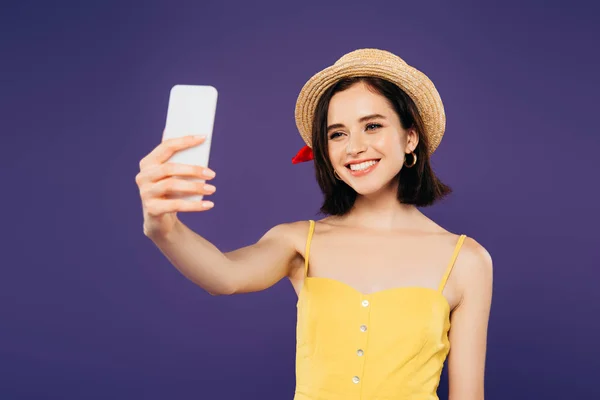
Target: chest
372, 263
369, 264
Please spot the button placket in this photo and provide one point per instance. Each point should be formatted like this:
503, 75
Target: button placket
364, 310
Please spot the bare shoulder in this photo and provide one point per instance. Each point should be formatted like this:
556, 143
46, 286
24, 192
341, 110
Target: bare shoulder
289, 234
289, 231
292, 235
475, 256
474, 265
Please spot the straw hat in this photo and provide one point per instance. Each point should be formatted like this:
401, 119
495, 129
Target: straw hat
376, 63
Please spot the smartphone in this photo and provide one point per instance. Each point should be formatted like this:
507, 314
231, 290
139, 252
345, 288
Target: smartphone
191, 111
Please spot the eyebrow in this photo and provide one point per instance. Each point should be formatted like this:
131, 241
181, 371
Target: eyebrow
363, 119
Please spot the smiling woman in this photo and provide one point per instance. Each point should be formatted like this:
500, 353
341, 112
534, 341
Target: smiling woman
374, 126
383, 291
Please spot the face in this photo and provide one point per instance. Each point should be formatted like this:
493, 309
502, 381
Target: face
366, 141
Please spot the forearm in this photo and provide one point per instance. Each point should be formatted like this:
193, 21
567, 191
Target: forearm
197, 259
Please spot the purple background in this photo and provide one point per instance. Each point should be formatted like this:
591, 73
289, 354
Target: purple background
89, 308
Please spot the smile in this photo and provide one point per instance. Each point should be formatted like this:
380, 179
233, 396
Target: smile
363, 168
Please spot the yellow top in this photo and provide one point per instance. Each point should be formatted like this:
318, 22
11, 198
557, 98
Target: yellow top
390, 344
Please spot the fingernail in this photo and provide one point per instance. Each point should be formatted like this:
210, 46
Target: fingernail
209, 188
208, 173
208, 204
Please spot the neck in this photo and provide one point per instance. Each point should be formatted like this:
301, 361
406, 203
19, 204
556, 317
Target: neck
383, 211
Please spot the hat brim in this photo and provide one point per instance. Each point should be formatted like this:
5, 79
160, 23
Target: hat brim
416, 85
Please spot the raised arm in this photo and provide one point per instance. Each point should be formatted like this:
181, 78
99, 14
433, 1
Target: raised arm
248, 269
251, 268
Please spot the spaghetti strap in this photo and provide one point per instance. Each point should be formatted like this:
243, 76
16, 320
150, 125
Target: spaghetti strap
459, 244
307, 250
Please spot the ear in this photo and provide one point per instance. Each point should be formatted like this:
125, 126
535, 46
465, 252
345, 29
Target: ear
412, 140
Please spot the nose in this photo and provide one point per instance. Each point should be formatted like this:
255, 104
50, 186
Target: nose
356, 145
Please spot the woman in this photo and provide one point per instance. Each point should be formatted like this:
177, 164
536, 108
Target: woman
379, 284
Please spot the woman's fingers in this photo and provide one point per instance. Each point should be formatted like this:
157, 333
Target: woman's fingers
156, 207
159, 172
165, 150
177, 187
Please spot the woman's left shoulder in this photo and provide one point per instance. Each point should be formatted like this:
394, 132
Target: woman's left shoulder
474, 262
475, 252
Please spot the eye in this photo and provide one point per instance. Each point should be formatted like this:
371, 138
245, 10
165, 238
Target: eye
373, 126
334, 135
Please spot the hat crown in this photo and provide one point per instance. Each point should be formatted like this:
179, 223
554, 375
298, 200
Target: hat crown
381, 64
369, 55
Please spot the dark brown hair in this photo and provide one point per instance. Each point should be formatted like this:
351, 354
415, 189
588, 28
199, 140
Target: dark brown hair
417, 185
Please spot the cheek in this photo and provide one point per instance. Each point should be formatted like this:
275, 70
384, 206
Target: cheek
336, 150
390, 145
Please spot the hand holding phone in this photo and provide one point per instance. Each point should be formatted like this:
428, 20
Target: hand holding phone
172, 176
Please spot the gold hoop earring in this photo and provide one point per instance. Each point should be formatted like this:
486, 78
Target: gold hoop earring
414, 161
336, 175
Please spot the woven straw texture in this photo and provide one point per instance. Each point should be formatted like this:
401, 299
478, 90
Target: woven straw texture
382, 64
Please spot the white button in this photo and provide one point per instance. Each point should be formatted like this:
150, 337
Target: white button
356, 379
360, 352
363, 328
365, 303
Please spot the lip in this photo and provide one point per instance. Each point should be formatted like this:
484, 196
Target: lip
364, 171
360, 161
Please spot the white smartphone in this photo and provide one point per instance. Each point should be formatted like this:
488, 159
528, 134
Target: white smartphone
191, 111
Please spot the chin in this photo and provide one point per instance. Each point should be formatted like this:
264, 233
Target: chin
370, 188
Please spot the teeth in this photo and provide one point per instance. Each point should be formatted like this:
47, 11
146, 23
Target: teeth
362, 166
